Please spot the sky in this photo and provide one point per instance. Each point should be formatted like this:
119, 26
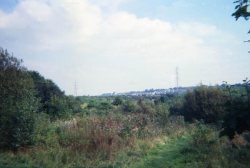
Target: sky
107, 46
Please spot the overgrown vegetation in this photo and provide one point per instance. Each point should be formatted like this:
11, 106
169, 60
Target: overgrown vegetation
42, 127
18, 104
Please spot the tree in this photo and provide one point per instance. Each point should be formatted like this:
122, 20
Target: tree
117, 101
205, 103
129, 106
18, 103
241, 9
238, 105
53, 100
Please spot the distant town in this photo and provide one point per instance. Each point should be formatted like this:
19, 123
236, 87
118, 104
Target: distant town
152, 92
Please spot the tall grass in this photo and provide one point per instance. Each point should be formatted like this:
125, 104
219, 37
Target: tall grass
90, 141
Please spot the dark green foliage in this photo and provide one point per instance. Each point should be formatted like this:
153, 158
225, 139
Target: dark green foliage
100, 105
53, 100
45, 87
117, 101
92, 104
105, 106
227, 106
238, 106
51, 97
57, 107
205, 103
241, 9
74, 104
176, 106
146, 107
17, 103
246, 85
129, 106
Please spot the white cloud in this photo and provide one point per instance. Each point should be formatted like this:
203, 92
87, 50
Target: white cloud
50, 25
70, 40
110, 5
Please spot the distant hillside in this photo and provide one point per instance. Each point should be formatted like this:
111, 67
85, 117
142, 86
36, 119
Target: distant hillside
159, 92
152, 92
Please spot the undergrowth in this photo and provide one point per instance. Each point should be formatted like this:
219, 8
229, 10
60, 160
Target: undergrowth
116, 141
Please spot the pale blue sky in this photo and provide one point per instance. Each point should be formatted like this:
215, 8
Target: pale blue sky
122, 45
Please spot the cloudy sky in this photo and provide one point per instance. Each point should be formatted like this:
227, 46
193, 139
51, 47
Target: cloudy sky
123, 45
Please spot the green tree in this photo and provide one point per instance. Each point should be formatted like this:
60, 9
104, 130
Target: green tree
53, 100
205, 103
241, 9
117, 101
129, 106
238, 105
18, 103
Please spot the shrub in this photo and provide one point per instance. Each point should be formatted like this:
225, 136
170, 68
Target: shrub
117, 101
96, 136
17, 103
129, 106
205, 103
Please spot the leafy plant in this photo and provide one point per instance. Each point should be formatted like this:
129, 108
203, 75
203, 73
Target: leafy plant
18, 103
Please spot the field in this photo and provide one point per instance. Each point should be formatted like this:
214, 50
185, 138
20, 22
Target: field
127, 132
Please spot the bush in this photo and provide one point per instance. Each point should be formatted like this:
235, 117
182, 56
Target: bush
18, 103
238, 105
205, 103
53, 100
129, 106
117, 101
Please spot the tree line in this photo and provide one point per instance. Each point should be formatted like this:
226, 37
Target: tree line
25, 94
